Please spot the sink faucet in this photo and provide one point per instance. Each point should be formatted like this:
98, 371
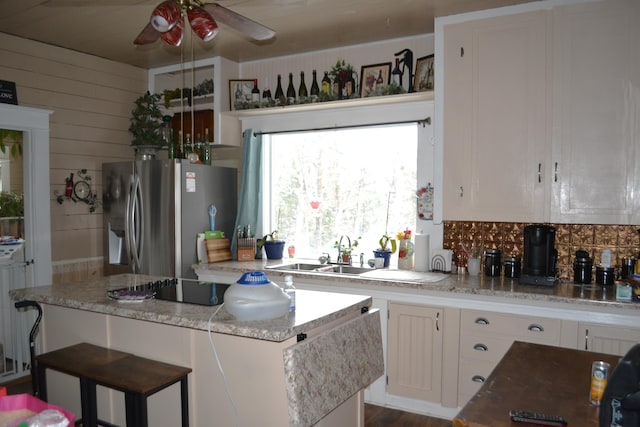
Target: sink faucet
325, 258
340, 248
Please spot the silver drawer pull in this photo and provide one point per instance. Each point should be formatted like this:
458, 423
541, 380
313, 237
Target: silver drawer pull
536, 328
481, 321
480, 347
478, 379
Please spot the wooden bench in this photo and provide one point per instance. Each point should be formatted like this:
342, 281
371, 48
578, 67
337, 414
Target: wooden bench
137, 377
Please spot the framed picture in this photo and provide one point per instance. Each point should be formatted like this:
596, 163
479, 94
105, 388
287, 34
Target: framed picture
424, 74
239, 92
373, 77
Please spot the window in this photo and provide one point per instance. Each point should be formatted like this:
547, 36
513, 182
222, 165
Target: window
359, 182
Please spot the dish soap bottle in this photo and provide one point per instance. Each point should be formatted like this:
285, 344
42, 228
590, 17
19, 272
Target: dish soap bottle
290, 290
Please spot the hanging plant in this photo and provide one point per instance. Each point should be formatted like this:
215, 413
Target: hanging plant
13, 136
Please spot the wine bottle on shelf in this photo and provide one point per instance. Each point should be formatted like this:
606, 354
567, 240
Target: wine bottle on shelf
291, 92
181, 152
396, 74
280, 99
315, 90
255, 92
207, 148
266, 92
326, 84
171, 146
302, 91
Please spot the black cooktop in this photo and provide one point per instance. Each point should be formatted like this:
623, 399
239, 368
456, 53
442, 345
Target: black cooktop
188, 291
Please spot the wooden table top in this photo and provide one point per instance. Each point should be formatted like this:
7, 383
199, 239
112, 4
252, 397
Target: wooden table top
536, 378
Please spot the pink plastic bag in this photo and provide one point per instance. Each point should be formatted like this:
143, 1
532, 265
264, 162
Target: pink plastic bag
17, 402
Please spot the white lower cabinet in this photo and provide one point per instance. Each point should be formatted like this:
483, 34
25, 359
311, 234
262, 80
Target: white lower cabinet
607, 339
414, 351
486, 336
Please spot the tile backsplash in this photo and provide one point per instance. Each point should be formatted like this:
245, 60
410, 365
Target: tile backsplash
623, 240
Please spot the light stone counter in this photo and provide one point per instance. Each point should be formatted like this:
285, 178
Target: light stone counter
453, 285
313, 309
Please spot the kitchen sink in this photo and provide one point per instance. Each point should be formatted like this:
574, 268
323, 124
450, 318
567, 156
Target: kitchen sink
321, 268
364, 272
299, 267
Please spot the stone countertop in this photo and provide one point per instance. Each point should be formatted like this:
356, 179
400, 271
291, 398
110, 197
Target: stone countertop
589, 297
313, 308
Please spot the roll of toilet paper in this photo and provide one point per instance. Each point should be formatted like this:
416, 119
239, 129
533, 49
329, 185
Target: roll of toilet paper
422, 259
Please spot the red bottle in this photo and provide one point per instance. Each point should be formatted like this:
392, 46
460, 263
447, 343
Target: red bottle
68, 190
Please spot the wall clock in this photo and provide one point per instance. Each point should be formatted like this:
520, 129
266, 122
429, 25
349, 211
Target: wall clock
82, 190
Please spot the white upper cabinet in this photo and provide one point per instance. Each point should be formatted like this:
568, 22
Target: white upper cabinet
596, 112
494, 118
541, 114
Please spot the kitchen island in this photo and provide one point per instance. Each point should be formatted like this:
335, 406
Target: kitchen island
465, 324
306, 368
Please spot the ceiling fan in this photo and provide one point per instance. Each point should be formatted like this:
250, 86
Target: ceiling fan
169, 17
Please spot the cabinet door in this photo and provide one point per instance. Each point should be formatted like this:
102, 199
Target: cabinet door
414, 351
596, 137
495, 134
607, 339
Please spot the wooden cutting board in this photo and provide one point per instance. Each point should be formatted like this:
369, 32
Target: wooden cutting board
213, 244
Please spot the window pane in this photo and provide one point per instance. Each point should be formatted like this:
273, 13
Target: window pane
331, 183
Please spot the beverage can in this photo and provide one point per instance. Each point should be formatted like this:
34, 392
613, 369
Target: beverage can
599, 376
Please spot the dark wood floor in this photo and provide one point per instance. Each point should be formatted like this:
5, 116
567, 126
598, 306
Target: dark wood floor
377, 416
374, 416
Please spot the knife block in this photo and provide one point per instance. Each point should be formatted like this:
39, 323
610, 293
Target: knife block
246, 250
218, 250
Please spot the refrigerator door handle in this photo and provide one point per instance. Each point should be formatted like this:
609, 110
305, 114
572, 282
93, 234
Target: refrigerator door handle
137, 223
127, 221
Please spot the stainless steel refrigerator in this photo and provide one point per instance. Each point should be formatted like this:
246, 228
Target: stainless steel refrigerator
154, 210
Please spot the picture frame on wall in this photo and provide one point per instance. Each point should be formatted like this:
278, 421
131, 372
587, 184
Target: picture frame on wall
373, 77
239, 92
423, 80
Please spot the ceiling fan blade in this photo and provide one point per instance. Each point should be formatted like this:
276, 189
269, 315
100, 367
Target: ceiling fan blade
238, 22
147, 35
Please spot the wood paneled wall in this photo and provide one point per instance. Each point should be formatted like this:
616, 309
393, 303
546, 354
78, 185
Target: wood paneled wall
91, 98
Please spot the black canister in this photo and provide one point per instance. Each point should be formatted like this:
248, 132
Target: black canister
492, 262
512, 267
605, 275
628, 267
582, 266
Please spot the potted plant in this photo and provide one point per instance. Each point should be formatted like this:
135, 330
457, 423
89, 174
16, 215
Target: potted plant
387, 247
11, 214
345, 250
145, 125
273, 247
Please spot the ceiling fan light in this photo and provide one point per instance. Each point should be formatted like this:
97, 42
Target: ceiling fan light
202, 23
165, 16
174, 35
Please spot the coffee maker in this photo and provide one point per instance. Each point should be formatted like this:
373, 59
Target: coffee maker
540, 256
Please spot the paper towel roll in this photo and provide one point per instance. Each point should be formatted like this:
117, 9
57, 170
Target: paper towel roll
422, 259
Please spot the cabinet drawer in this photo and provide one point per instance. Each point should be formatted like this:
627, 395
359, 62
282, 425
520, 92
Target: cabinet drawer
484, 347
472, 375
540, 330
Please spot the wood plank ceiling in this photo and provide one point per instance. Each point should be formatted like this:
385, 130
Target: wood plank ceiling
107, 28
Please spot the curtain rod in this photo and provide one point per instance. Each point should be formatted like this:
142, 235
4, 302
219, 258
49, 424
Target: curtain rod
423, 122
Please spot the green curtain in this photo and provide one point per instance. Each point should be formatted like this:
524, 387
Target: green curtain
249, 199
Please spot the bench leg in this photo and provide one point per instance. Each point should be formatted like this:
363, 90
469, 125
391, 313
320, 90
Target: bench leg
42, 381
184, 401
136, 409
88, 403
